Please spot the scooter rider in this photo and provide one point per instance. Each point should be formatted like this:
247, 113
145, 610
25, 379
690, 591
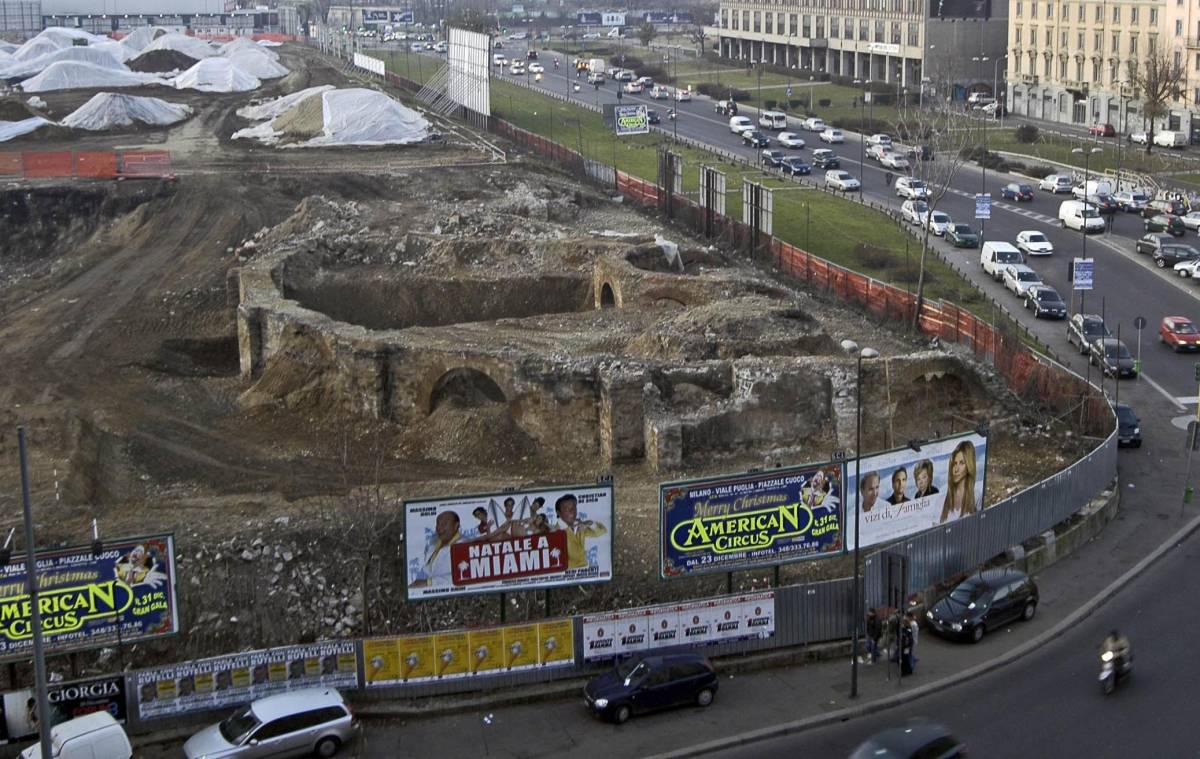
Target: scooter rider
1119, 645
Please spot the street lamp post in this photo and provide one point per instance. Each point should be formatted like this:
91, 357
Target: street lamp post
983, 163
852, 347
1087, 154
862, 140
996, 89
811, 87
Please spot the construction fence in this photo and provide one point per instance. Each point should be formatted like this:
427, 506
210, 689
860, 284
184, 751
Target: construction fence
83, 164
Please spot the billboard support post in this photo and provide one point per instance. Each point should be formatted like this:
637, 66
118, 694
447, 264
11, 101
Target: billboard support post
31, 572
729, 582
547, 609
503, 606
777, 575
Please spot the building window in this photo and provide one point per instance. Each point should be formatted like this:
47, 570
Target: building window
848, 29
1049, 37
1116, 45
896, 33
1063, 13
1079, 42
1079, 15
1153, 16
1099, 13
1197, 65
1098, 42
1114, 72
1018, 8
1033, 9
757, 21
1133, 44
1178, 27
724, 18
1062, 40
914, 35
1017, 39
1062, 69
879, 36
1046, 67
1178, 59
1116, 14
1017, 64
1097, 73
1079, 71
806, 26
1133, 15
834, 29
769, 27
820, 27
864, 29
1049, 10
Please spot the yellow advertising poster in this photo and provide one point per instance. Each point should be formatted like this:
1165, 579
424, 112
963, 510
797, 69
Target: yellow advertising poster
557, 642
416, 658
166, 689
487, 650
520, 646
453, 654
382, 659
312, 667
241, 677
347, 663
204, 682
277, 671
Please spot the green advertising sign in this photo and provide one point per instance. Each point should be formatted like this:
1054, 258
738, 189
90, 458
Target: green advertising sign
631, 119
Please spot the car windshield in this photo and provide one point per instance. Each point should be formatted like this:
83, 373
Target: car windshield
1095, 328
962, 229
1116, 351
965, 595
940, 218
1126, 416
1138, 198
1184, 328
1025, 188
1027, 276
237, 726
1035, 237
632, 668
1089, 212
1008, 256
915, 184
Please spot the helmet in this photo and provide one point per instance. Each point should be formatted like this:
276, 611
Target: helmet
1114, 633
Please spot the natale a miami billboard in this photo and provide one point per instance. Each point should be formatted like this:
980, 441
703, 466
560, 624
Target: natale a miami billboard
750, 520
124, 592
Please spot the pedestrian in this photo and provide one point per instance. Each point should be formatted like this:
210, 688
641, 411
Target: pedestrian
906, 649
874, 633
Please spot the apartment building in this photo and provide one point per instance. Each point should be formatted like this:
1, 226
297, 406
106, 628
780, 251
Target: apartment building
950, 46
1070, 60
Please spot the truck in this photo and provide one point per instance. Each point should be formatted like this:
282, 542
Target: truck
596, 65
1169, 139
1092, 188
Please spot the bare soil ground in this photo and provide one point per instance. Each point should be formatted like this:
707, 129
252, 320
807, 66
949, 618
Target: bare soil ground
118, 352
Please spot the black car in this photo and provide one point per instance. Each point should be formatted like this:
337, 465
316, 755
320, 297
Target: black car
1129, 427
649, 683
1164, 206
1151, 243
755, 139
1172, 225
652, 116
919, 153
794, 165
1016, 191
983, 602
1084, 328
772, 159
1169, 255
916, 740
823, 158
1112, 357
1045, 301
962, 236
1104, 203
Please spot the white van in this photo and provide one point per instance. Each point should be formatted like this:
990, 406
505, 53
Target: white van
772, 120
996, 256
739, 124
1170, 139
1075, 214
92, 736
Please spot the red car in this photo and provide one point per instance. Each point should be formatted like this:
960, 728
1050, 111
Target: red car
1180, 333
1103, 130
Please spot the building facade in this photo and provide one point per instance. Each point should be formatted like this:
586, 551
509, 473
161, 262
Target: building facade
942, 44
1075, 61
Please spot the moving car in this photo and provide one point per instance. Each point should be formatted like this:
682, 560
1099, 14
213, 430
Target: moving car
645, 81
1179, 333
739, 124
823, 158
841, 180
443, 46
1078, 215
772, 119
1129, 427
296, 723
1057, 183
982, 602
814, 124
1191, 220
1112, 357
632, 88
832, 136
962, 236
649, 683
938, 222
893, 160
772, 158
1102, 130
914, 211
1084, 329
1044, 300
658, 92
1034, 243
876, 152
1139, 138
1103, 202
92, 736
517, 68
917, 740
1172, 225
1018, 278
1131, 201
879, 139
755, 138
794, 165
536, 68
997, 256
727, 107
1016, 191
1170, 139
911, 188
652, 116
791, 140
683, 96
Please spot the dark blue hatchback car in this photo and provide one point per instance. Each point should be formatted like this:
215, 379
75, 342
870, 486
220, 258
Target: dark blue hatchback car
650, 683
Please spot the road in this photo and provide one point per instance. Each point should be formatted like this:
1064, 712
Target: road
1127, 285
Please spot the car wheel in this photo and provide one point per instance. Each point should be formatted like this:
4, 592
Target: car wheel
327, 747
622, 714
704, 697
1030, 610
1160, 263
977, 634
1027, 304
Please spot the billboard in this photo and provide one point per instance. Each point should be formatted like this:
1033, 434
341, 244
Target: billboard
468, 653
508, 541
692, 623
468, 80
67, 701
226, 681
612, 18
936, 485
755, 519
86, 596
960, 8
587, 18
631, 119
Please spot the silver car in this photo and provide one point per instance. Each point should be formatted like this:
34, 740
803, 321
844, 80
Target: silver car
304, 722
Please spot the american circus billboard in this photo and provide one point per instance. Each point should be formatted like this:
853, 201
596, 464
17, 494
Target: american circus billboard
905, 491
508, 541
749, 520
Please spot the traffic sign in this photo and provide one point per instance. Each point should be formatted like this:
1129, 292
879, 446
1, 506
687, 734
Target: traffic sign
1139, 322
1083, 274
789, 90
983, 206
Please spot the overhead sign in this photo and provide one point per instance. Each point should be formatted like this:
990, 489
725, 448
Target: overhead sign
402, 17
631, 119
67, 701
938, 484
508, 541
751, 520
1083, 273
693, 623
612, 19
130, 584
983, 205
225, 681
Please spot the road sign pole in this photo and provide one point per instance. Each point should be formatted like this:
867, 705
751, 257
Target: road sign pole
1193, 430
1139, 323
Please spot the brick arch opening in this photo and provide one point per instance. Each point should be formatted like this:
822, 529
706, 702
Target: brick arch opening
608, 298
465, 388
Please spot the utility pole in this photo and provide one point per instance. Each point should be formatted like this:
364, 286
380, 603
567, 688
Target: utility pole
35, 613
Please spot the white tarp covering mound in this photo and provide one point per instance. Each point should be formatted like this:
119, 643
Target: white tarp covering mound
61, 36
7, 47
73, 75
24, 69
273, 108
110, 109
216, 75
189, 46
257, 63
34, 48
241, 43
119, 51
11, 129
346, 117
139, 39
269, 43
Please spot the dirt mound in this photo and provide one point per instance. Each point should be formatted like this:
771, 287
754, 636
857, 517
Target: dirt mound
303, 122
14, 109
161, 61
486, 434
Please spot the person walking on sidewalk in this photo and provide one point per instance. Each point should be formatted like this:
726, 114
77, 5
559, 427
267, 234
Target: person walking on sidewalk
874, 633
908, 646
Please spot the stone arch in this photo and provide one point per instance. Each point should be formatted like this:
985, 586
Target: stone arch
608, 297
465, 387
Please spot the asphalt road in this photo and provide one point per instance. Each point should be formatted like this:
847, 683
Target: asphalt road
1127, 285
1050, 703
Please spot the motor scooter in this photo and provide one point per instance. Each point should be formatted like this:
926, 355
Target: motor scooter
1114, 670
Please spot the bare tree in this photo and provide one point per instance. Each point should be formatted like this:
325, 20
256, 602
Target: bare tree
945, 139
1159, 80
646, 33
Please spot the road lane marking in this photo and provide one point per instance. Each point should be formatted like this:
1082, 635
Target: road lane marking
1175, 401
